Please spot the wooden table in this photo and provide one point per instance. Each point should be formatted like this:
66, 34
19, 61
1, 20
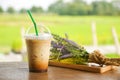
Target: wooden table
19, 71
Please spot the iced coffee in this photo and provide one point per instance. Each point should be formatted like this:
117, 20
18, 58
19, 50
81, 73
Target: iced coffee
38, 48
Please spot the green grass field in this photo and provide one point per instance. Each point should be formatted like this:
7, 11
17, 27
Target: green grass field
77, 27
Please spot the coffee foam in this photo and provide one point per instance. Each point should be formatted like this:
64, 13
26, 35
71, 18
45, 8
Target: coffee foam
41, 36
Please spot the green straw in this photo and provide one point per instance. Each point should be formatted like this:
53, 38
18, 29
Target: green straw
35, 26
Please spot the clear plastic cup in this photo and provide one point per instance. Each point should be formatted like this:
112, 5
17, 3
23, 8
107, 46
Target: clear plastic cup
38, 48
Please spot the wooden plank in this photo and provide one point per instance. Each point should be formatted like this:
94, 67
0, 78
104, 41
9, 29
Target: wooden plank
96, 69
94, 34
116, 40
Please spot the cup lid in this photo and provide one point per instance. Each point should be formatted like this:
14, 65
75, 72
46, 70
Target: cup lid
43, 32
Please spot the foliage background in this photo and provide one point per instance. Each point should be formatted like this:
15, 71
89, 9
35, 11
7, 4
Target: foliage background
72, 17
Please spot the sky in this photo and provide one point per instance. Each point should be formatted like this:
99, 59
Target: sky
18, 4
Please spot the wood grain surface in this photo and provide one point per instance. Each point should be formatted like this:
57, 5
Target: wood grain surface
19, 71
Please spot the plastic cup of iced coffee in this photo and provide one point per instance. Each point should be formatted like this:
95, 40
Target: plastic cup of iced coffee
38, 48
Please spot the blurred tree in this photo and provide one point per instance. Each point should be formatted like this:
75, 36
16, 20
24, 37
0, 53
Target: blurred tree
76, 7
57, 7
35, 9
116, 7
40, 10
89, 9
80, 7
96, 8
1, 10
22, 10
10, 10
102, 8
108, 8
